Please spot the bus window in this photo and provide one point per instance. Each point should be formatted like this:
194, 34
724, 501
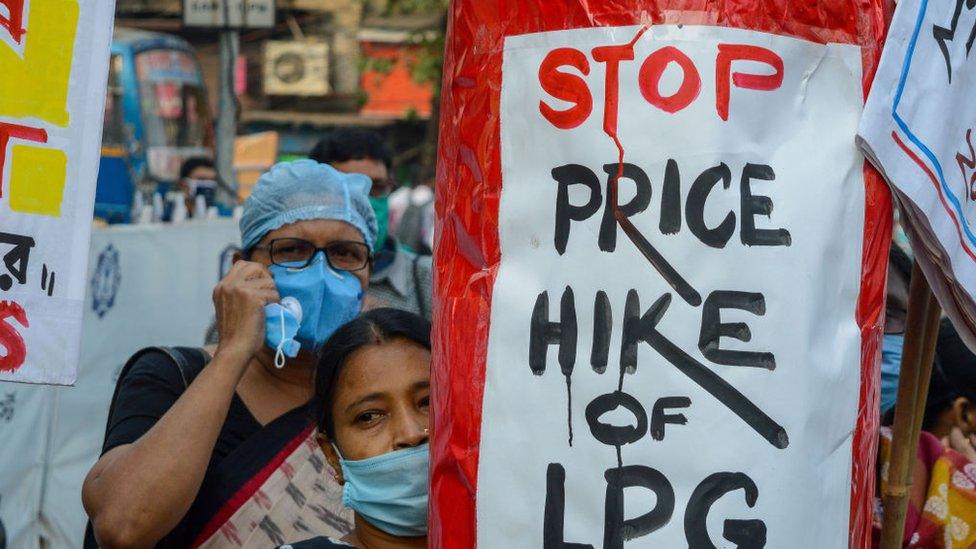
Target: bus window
113, 128
174, 109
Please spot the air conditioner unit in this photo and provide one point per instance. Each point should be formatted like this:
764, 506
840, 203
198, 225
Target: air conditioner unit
296, 68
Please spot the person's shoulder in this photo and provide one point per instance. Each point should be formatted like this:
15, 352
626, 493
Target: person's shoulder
157, 366
147, 388
425, 264
316, 543
154, 364
424, 261
421, 195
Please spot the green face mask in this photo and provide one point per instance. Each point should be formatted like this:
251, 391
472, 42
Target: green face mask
381, 206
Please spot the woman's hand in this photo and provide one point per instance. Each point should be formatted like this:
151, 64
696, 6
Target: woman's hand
961, 443
239, 300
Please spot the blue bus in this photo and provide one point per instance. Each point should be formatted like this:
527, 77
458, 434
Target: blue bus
156, 116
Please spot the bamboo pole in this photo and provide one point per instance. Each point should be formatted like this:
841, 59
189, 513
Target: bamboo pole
921, 332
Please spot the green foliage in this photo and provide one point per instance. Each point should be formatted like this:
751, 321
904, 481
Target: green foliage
382, 66
427, 66
361, 98
430, 59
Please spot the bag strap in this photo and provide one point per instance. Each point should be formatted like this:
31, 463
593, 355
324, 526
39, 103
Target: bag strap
188, 368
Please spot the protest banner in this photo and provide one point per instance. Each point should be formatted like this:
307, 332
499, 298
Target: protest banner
919, 128
659, 275
54, 61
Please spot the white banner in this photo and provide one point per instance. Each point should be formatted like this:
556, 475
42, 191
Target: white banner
54, 61
148, 285
919, 129
685, 370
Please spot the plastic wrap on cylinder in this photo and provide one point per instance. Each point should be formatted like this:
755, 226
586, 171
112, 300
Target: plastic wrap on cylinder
467, 244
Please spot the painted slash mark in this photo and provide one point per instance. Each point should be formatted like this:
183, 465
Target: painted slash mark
697, 372
658, 261
10, 338
708, 380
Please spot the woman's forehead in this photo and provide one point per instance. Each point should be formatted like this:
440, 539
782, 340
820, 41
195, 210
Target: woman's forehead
387, 367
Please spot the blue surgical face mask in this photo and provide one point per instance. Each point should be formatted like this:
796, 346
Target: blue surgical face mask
890, 368
328, 299
281, 322
390, 491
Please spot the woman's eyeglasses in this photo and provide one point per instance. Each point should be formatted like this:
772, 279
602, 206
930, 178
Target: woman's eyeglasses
343, 255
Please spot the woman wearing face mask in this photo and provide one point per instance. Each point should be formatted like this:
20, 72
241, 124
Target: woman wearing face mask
940, 511
896, 310
225, 455
372, 393
942, 499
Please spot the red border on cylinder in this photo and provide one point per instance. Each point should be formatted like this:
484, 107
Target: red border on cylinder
469, 186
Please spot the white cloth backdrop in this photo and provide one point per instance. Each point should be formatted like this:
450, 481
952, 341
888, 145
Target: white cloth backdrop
147, 285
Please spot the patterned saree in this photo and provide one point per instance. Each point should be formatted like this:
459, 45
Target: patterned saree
947, 518
274, 489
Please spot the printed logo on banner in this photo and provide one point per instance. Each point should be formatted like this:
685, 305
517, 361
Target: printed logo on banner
226, 261
7, 407
106, 281
685, 165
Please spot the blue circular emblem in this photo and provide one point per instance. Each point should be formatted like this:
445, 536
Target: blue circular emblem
105, 281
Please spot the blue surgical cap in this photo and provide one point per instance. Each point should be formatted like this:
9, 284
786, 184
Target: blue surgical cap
301, 190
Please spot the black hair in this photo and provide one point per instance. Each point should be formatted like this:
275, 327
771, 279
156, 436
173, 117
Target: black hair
345, 144
193, 163
370, 328
953, 374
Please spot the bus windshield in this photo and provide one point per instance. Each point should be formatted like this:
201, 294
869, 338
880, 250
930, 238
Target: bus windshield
173, 102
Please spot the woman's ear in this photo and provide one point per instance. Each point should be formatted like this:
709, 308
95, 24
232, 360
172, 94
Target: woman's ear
332, 456
964, 415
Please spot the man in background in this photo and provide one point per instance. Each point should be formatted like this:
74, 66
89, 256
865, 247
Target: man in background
401, 278
412, 216
198, 177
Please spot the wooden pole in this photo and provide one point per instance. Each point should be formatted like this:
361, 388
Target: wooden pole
921, 333
227, 114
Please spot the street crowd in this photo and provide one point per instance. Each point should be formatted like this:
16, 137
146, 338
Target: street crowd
304, 421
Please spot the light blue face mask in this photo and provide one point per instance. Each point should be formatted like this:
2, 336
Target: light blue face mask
890, 368
281, 322
328, 299
390, 490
